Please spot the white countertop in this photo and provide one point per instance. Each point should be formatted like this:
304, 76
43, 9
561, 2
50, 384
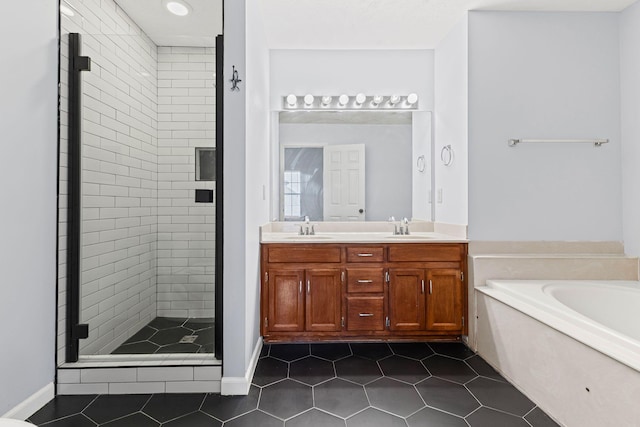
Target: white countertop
359, 237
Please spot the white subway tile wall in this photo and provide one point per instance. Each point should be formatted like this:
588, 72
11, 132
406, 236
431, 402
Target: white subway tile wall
186, 229
119, 175
147, 247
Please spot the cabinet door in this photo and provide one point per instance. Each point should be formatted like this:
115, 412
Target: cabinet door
324, 290
285, 301
406, 299
444, 300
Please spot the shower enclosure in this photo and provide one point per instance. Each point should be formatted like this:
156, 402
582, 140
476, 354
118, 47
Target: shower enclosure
138, 173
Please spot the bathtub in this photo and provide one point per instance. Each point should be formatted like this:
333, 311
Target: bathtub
572, 346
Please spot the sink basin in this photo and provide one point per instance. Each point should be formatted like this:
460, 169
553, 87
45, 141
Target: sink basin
310, 237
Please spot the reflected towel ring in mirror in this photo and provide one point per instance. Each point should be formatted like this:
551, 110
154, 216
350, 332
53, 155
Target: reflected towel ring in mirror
421, 163
446, 155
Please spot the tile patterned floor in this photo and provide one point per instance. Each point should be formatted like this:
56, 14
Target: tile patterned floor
163, 335
327, 385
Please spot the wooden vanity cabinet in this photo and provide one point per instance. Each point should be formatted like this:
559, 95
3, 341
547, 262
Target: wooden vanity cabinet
332, 292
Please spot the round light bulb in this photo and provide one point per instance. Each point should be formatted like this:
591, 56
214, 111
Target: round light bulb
308, 100
326, 100
343, 100
377, 100
394, 99
360, 98
292, 100
412, 98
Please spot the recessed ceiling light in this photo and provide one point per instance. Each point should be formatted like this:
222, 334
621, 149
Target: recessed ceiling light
177, 7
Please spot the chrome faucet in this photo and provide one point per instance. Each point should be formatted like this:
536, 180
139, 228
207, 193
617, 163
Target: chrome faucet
306, 230
402, 228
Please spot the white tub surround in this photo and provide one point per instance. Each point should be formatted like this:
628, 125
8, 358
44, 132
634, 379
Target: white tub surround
545, 260
547, 338
362, 232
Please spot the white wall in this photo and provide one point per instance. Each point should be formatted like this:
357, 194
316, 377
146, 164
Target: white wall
544, 75
388, 160
451, 125
235, 279
28, 125
186, 229
630, 89
333, 72
257, 173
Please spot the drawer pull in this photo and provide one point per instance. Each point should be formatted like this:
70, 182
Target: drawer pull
366, 314
300, 288
430, 287
423, 286
308, 286
365, 255
365, 281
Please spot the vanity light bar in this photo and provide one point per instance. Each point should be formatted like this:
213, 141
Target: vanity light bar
359, 101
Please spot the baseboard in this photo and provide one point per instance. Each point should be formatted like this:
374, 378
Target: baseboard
241, 385
33, 403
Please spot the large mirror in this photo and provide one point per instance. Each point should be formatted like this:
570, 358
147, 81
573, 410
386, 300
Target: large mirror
353, 165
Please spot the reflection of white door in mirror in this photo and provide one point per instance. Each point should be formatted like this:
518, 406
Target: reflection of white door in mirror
344, 183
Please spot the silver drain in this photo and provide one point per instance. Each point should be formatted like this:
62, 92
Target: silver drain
188, 339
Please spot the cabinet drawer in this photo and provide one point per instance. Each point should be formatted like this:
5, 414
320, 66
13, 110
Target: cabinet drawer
365, 280
425, 252
365, 254
297, 253
365, 313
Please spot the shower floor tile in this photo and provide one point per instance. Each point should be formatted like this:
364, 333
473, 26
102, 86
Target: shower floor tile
164, 335
342, 385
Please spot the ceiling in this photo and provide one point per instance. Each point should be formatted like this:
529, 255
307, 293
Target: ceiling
199, 28
389, 24
338, 24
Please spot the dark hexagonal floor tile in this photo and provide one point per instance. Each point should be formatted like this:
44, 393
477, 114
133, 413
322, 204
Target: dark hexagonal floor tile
60, 407
270, 370
394, 396
483, 368
255, 419
452, 349
500, 395
179, 348
78, 420
196, 324
206, 349
372, 417
447, 396
166, 322
340, 397
373, 351
165, 407
449, 369
195, 419
404, 369
265, 350
142, 335
357, 369
332, 351
205, 336
414, 350
315, 418
311, 370
170, 336
487, 417
537, 418
286, 399
226, 407
433, 417
143, 347
137, 420
289, 352
109, 407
